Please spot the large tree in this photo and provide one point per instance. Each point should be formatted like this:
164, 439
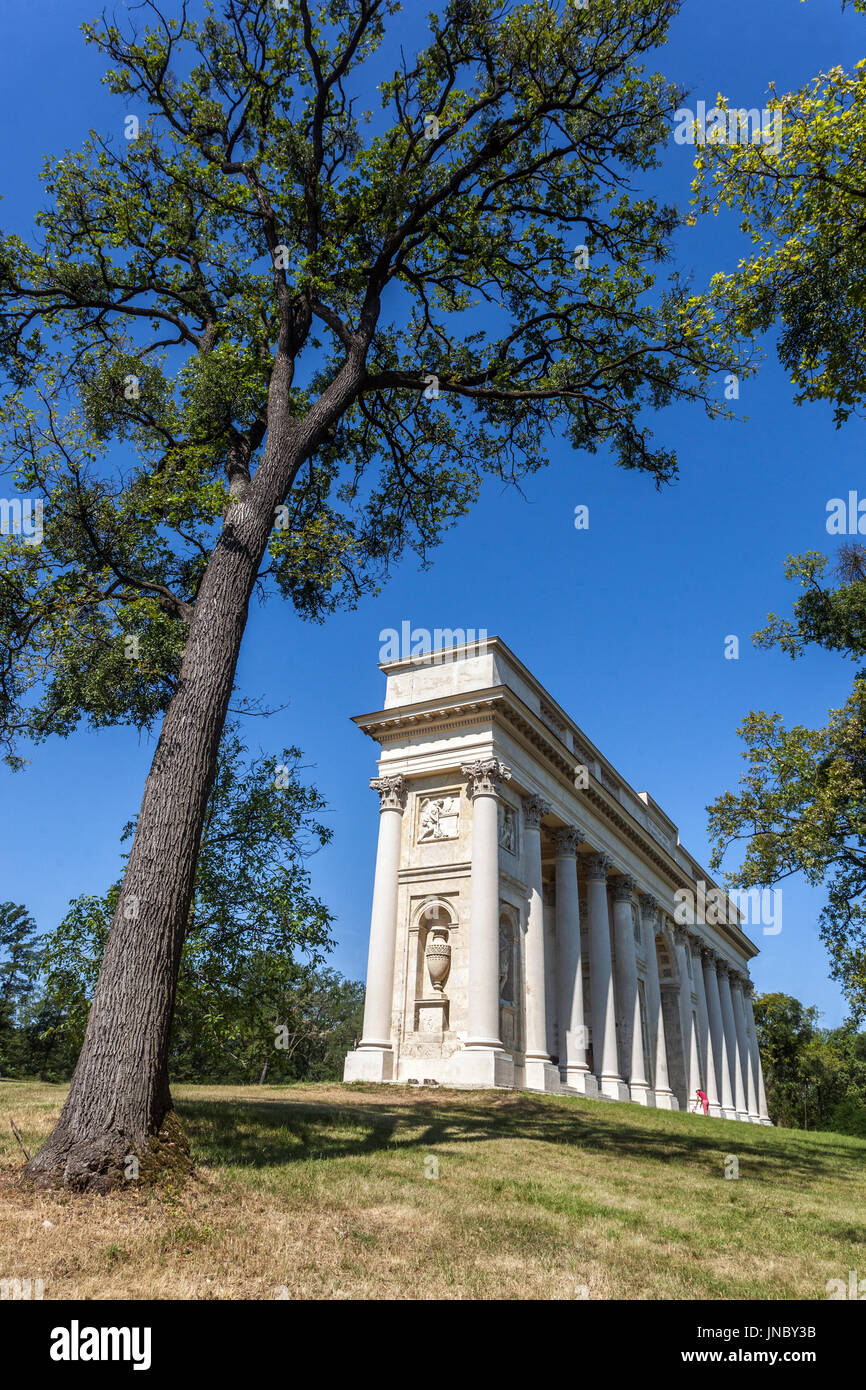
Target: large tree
252, 302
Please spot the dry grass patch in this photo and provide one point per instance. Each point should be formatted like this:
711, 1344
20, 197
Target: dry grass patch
325, 1191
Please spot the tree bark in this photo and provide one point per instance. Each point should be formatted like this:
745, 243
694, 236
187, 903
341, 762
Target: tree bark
119, 1106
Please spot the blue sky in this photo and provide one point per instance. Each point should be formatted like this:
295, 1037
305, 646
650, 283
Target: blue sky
625, 623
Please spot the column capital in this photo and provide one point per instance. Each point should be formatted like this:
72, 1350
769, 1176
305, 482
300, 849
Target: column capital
708, 955
534, 807
722, 967
748, 987
649, 906
567, 838
624, 888
485, 776
392, 792
597, 866
738, 979
681, 936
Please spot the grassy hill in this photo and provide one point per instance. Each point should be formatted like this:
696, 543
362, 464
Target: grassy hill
325, 1191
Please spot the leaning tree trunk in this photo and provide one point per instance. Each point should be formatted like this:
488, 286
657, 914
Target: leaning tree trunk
118, 1121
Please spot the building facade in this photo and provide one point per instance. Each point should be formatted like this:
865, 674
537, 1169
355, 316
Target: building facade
531, 924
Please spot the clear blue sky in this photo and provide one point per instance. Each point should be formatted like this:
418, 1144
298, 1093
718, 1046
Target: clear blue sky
625, 623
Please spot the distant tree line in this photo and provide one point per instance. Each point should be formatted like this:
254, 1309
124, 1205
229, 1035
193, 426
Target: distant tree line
815, 1077
271, 1019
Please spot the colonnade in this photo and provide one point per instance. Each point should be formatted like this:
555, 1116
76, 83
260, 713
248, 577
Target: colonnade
632, 1055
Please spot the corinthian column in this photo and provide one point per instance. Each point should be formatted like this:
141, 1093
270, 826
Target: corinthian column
573, 1065
540, 1073
756, 1054
737, 1087
710, 1070
660, 1081
631, 1049
483, 1062
744, 1046
610, 1083
691, 1065
373, 1060
717, 1033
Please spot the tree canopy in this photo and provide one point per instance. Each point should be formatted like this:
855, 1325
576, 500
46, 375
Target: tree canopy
801, 806
252, 203
802, 203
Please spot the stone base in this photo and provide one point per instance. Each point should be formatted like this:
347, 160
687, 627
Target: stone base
418, 1070
728, 1114
613, 1087
541, 1076
767, 1121
641, 1095
580, 1083
666, 1100
369, 1064
482, 1067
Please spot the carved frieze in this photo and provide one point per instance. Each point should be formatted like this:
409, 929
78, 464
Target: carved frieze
438, 818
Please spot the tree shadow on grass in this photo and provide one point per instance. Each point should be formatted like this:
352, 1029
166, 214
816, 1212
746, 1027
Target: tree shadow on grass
261, 1133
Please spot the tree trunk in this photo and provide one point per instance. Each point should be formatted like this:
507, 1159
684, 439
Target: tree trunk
118, 1122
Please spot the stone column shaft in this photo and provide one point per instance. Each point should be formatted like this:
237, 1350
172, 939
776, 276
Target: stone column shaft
717, 1033
373, 1059
756, 1059
483, 1009
744, 1049
737, 1088
691, 1065
601, 982
660, 1081
483, 1061
573, 1065
541, 1074
631, 1059
710, 1079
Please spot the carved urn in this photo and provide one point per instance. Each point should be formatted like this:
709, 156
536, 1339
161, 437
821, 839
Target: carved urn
438, 955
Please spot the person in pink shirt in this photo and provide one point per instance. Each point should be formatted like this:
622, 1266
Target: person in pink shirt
705, 1101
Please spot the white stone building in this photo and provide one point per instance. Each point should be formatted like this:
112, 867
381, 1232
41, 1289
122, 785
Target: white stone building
526, 926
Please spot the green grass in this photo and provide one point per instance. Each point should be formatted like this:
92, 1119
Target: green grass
323, 1191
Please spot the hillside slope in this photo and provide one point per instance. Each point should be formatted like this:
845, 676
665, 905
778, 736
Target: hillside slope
325, 1191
